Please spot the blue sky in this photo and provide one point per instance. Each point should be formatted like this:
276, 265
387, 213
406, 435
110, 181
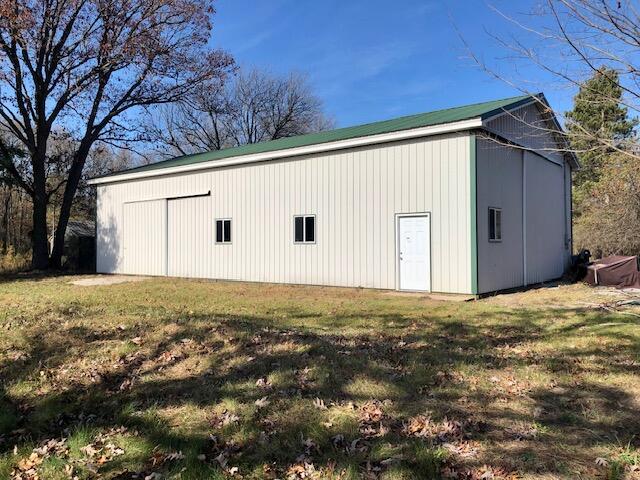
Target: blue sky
371, 59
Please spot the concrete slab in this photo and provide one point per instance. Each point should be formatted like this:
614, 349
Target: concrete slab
107, 280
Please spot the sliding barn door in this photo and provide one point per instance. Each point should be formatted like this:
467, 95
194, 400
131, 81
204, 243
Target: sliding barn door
145, 238
190, 237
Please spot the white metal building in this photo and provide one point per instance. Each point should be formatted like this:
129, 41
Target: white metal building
466, 200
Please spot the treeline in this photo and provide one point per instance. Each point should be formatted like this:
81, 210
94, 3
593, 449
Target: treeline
15, 228
606, 189
249, 107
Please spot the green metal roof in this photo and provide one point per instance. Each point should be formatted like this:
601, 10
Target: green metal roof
438, 117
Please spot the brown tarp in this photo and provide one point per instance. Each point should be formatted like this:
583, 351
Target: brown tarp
616, 271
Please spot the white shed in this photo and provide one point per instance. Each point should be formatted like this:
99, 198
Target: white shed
467, 200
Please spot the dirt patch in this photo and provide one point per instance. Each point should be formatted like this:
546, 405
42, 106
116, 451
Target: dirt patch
446, 297
107, 280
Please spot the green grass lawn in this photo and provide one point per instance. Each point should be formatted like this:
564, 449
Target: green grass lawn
188, 379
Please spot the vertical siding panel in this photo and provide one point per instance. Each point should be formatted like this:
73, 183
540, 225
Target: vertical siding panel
382, 219
356, 247
378, 213
370, 206
413, 178
313, 251
363, 210
351, 221
333, 221
391, 227
322, 237
343, 226
439, 217
271, 250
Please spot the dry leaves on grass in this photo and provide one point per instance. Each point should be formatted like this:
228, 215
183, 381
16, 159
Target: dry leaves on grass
485, 472
442, 378
222, 453
304, 378
422, 426
506, 386
169, 357
103, 449
371, 418
453, 435
97, 453
319, 404
27, 468
372, 470
220, 420
523, 431
263, 383
302, 470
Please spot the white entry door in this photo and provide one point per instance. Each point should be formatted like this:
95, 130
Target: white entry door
413, 253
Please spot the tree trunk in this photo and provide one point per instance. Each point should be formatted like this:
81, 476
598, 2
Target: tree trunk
40, 242
19, 235
5, 220
40, 247
70, 189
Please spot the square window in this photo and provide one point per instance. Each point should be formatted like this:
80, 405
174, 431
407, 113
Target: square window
223, 230
495, 224
304, 227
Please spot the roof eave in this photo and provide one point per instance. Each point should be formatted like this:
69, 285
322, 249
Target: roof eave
430, 130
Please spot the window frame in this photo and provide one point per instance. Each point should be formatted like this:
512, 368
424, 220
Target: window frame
223, 242
496, 239
304, 217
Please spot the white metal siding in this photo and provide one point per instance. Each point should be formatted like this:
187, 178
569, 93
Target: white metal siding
355, 195
526, 127
545, 219
499, 174
534, 238
144, 232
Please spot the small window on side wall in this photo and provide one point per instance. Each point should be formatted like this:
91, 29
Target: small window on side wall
223, 230
304, 229
495, 224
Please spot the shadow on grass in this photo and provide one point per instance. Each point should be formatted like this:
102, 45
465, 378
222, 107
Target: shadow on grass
409, 366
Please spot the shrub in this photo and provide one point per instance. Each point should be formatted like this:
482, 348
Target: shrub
12, 261
608, 221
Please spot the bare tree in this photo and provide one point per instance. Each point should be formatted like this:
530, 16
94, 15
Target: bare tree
84, 66
589, 47
256, 107
569, 42
197, 124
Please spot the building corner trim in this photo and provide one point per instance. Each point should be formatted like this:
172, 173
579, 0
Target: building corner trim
473, 196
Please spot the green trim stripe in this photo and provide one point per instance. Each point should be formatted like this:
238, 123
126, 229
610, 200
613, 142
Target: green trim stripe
473, 195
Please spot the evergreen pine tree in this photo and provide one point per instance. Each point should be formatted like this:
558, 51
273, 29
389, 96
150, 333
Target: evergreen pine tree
597, 118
